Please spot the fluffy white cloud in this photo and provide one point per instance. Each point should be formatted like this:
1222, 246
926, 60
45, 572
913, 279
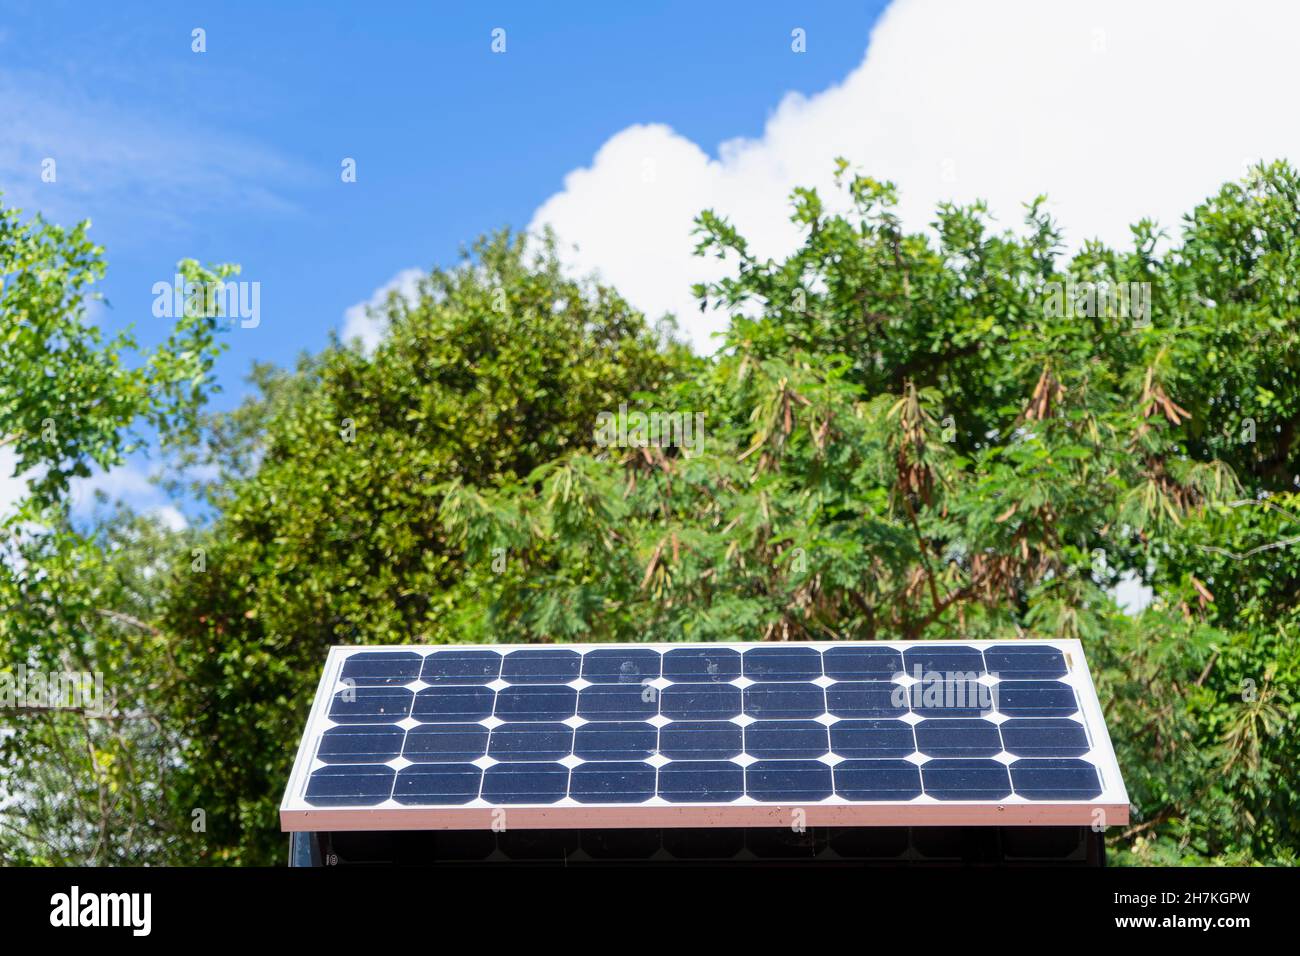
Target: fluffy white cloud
1132, 594
130, 484
12, 488
170, 517
1116, 110
126, 483
361, 321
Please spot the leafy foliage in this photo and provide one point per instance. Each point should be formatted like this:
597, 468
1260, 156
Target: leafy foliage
335, 537
905, 437
68, 401
76, 786
92, 785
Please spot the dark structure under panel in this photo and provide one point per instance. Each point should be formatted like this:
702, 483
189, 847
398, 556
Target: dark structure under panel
714, 846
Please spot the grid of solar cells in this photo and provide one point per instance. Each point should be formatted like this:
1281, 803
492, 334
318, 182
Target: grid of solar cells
702, 724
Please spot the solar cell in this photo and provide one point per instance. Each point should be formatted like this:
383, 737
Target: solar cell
681, 735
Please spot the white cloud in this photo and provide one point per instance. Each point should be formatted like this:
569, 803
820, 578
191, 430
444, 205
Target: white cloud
1132, 594
125, 482
170, 517
1116, 110
12, 489
363, 321
131, 485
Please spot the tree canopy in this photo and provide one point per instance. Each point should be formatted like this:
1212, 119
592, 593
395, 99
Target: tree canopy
75, 786
962, 432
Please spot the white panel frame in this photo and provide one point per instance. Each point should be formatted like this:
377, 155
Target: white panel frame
1109, 808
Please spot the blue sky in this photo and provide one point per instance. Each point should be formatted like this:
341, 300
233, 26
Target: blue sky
234, 154
613, 123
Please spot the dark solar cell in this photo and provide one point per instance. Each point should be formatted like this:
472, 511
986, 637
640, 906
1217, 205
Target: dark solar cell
525, 783
948, 660
445, 743
954, 779
782, 664
788, 781
379, 669
360, 743
952, 698
788, 700
461, 667
701, 781
1060, 779
958, 737
866, 699
620, 665
350, 785
862, 663
1036, 698
785, 843
553, 702
449, 783
700, 701
701, 663
448, 704
620, 844
615, 740
786, 739
871, 843
617, 702
877, 780
1025, 662
542, 666
371, 705
872, 738
531, 741
1044, 737
694, 843
701, 740
612, 782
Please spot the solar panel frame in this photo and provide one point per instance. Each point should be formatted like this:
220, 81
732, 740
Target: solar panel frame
1110, 807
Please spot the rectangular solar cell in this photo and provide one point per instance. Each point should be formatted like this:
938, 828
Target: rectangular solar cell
922, 733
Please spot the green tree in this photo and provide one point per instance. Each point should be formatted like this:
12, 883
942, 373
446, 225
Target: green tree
962, 433
91, 783
329, 529
913, 439
68, 399
77, 786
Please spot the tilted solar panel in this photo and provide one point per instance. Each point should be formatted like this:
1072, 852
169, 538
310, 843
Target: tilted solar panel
668, 735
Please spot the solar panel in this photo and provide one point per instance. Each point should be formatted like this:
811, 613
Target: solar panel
926, 733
